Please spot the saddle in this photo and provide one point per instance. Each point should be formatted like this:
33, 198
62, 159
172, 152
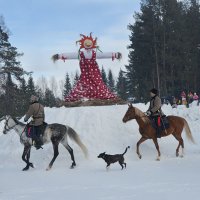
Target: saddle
164, 122
159, 123
35, 131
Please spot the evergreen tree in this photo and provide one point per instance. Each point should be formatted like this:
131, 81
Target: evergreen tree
122, 85
141, 71
49, 98
10, 96
111, 81
104, 76
2, 82
31, 87
192, 41
10, 72
163, 52
23, 99
172, 46
8, 55
76, 78
67, 85
40, 94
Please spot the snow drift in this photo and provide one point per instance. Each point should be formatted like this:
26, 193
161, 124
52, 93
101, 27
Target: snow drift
101, 129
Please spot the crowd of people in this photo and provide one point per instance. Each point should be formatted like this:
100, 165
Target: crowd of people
184, 99
187, 99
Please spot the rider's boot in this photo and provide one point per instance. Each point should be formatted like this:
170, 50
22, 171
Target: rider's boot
38, 143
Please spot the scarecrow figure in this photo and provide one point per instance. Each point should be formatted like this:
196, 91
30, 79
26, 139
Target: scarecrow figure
90, 84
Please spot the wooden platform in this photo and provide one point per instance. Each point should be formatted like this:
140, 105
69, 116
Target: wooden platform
95, 102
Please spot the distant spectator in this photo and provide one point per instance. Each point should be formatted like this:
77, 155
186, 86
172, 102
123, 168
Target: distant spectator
165, 101
179, 102
183, 98
190, 97
183, 94
196, 98
174, 102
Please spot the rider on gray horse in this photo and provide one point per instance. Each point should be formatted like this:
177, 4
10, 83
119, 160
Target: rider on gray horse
36, 111
154, 112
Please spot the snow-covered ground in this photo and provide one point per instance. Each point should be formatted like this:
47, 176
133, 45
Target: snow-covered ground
101, 129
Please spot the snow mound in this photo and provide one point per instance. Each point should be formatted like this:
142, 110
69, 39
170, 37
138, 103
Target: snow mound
101, 129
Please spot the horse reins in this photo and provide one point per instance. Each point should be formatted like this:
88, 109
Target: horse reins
9, 128
140, 116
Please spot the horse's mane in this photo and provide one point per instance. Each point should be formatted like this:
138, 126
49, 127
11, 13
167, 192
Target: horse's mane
17, 121
141, 114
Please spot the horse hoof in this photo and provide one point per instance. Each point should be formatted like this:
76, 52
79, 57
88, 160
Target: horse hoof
140, 157
48, 168
73, 165
157, 159
181, 156
31, 165
25, 168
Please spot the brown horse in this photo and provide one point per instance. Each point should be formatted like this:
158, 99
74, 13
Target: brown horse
176, 126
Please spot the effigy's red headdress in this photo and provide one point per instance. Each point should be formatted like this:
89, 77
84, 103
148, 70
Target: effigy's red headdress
87, 42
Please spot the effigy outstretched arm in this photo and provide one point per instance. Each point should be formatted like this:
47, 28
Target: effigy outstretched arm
113, 55
65, 56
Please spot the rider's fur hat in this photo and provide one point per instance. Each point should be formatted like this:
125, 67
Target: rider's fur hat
154, 91
33, 98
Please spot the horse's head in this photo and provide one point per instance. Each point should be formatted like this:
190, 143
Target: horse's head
10, 123
130, 113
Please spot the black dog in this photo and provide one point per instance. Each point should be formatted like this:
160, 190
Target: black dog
113, 158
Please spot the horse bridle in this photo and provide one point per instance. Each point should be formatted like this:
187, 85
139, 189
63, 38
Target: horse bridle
6, 127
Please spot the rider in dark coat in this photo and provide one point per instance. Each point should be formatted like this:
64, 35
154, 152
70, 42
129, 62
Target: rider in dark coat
36, 111
154, 111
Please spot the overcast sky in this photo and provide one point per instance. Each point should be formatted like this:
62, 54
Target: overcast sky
41, 28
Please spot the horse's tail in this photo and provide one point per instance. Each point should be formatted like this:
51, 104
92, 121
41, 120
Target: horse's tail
126, 150
188, 132
73, 135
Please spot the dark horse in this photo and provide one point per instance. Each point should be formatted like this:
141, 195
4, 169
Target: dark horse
176, 126
54, 133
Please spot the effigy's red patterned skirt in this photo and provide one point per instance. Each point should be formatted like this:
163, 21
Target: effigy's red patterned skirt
90, 85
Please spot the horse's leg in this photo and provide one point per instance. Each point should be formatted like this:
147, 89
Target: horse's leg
142, 139
157, 147
25, 156
177, 149
55, 149
70, 150
28, 157
181, 143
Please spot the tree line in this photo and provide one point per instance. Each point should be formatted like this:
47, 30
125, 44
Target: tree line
15, 91
164, 50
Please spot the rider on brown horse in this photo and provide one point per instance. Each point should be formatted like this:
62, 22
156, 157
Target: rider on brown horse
154, 112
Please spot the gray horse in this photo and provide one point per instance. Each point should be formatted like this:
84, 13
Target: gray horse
55, 133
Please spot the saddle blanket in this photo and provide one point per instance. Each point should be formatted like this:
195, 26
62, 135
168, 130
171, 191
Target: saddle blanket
35, 131
161, 122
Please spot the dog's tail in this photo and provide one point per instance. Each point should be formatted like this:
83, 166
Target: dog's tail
126, 149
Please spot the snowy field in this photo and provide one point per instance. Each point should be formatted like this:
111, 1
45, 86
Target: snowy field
101, 129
